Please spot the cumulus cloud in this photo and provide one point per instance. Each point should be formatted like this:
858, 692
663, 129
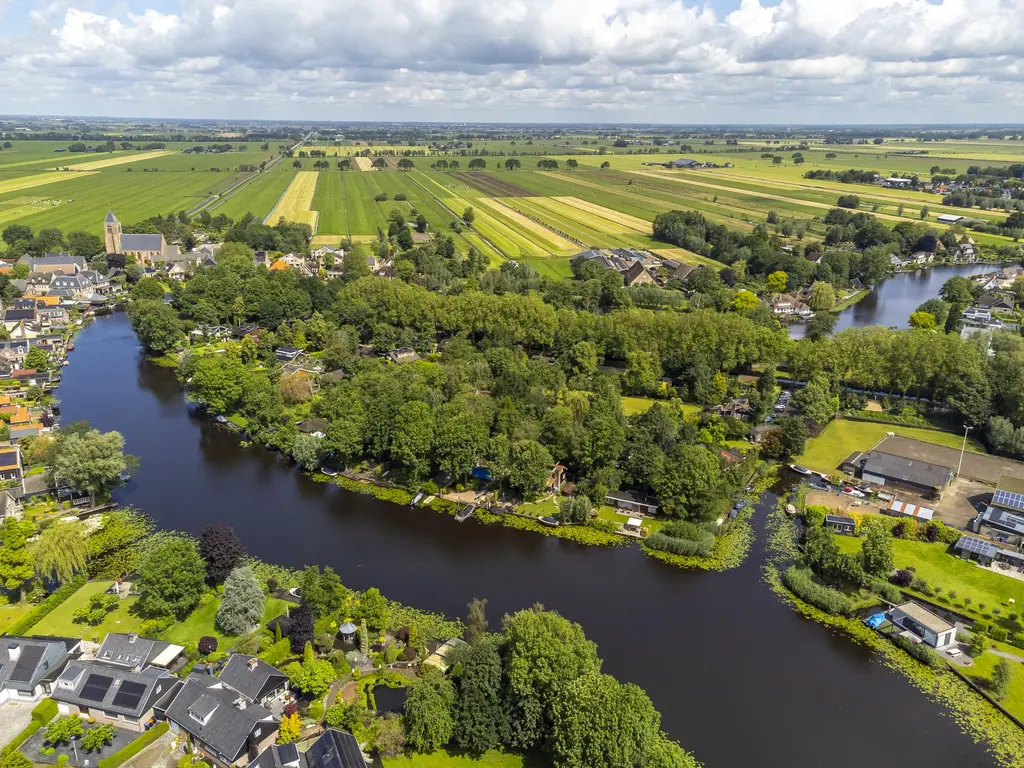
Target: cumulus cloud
630, 60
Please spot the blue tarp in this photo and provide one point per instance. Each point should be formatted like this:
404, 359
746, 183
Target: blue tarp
875, 621
481, 473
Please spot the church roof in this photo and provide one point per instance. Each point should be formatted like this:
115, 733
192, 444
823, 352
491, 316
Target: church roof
111, 218
142, 243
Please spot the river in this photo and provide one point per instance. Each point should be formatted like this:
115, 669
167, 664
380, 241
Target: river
891, 302
740, 678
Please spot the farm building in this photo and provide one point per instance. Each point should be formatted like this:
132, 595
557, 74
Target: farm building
906, 509
887, 469
919, 621
948, 218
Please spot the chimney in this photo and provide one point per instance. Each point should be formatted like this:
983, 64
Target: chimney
14, 651
240, 702
132, 637
251, 663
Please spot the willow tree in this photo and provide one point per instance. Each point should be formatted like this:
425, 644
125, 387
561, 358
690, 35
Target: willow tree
61, 551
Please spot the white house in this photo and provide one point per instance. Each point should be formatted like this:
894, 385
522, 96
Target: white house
922, 623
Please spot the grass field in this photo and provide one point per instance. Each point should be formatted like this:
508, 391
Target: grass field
60, 621
329, 203
442, 759
840, 438
201, 622
258, 196
933, 564
295, 204
981, 671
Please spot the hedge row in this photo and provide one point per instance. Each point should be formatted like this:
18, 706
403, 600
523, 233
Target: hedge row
130, 751
800, 583
46, 607
42, 713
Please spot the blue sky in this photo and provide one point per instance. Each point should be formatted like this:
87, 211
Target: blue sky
737, 61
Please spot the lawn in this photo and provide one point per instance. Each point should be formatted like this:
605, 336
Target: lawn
12, 613
442, 759
60, 622
548, 507
631, 406
936, 567
841, 438
604, 512
201, 622
981, 671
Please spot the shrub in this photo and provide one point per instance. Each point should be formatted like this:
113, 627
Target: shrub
887, 591
1018, 639
848, 201
665, 543
980, 625
45, 710
998, 633
799, 582
401, 196
814, 515
380, 198
919, 651
608, 526
207, 645
902, 578
96, 609
136, 746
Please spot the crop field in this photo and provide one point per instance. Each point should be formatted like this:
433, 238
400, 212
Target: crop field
295, 203
258, 196
362, 163
329, 203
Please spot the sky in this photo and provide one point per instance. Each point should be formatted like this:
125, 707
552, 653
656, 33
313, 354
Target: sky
610, 61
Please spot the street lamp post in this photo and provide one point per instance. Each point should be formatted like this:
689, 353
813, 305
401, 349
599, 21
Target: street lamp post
962, 449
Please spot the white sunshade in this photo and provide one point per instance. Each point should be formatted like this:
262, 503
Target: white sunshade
167, 655
633, 522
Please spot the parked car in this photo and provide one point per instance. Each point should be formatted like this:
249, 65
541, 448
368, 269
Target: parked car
954, 653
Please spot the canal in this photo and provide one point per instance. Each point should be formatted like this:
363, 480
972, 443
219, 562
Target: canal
739, 677
891, 302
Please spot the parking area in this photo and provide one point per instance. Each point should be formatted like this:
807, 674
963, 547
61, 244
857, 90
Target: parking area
976, 466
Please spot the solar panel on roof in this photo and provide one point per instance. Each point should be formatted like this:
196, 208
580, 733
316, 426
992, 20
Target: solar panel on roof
978, 546
129, 695
96, 687
26, 664
1009, 499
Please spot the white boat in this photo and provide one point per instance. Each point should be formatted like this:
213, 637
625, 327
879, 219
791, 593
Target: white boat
800, 470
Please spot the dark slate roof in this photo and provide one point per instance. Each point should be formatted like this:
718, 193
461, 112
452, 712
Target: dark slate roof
14, 315
142, 242
840, 520
251, 677
224, 725
37, 657
129, 650
111, 688
111, 218
908, 470
632, 497
334, 749
634, 272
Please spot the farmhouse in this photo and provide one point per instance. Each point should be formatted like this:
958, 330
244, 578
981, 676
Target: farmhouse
923, 624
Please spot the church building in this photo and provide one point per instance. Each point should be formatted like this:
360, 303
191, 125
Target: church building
145, 248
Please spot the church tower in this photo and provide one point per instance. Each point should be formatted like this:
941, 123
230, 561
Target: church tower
112, 233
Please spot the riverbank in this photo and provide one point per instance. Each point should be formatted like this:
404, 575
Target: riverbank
970, 709
194, 474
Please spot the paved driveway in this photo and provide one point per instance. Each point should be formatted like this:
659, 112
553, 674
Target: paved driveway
14, 718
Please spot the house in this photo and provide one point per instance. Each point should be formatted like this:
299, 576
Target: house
132, 652
841, 524
175, 271
54, 263
923, 624
978, 550
922, 257
682, 162
333, 749
630, 501
112, 694
255, 679
76, 285
790, 306
995, 302
26, 430
314, 426
286, 354
739, 408
220, 722
897, 263
897, 182
439, 658
403, 355
977, 315
15, 317
637, 274
29, 665
10, 463
887, 469
948, 218
146, 249
247, 329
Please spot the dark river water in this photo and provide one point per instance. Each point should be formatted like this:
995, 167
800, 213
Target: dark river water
891, 302
740, 679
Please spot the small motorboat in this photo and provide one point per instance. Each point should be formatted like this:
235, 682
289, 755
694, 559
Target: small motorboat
548, 520
800, 469
328, 471
221, 420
